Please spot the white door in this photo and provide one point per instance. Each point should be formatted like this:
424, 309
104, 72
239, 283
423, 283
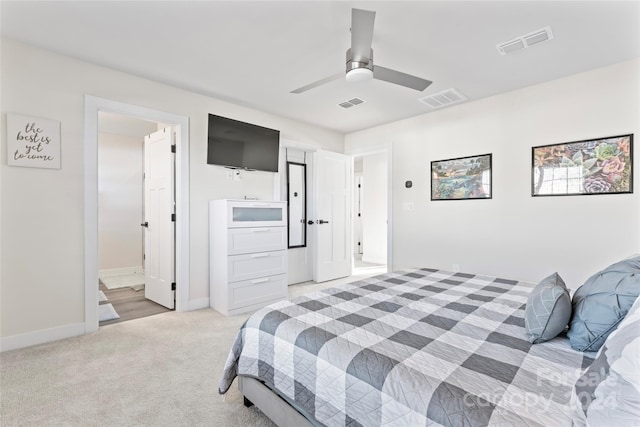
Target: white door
159, 232
332, 216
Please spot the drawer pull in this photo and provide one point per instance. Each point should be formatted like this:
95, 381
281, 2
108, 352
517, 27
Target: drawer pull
260, 255
260, 230
264, 279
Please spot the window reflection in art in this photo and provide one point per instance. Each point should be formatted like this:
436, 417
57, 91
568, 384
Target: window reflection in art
597, 166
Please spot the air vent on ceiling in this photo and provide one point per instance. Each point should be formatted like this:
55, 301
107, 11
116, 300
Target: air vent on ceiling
525, 41
351, 103
443, 99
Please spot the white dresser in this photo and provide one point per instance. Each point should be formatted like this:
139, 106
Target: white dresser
247, 254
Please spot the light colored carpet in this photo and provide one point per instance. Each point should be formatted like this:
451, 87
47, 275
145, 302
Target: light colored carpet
102, 297
107, 312
123, 280
162, 370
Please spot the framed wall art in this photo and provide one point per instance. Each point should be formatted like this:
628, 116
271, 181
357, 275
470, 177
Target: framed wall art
592, 166
462, 178
33, 142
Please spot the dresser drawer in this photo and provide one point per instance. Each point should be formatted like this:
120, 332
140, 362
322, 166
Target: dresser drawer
255, 291
252, 266
261, 239
256, 214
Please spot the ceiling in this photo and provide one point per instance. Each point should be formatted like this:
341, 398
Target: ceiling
255, 53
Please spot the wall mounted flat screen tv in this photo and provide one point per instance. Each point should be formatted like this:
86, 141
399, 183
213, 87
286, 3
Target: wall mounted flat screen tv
237, 144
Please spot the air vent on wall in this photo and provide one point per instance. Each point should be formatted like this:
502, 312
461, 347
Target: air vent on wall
525, 41
351, 103
444, 98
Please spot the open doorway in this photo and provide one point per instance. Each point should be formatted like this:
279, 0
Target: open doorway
123, 213
368, 210
371, 207
363, 203
321, 251
94, 105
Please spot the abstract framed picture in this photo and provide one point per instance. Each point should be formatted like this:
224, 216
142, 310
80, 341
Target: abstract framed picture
463, 178
592, 166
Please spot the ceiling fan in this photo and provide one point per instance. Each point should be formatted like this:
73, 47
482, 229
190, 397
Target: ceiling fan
360, 58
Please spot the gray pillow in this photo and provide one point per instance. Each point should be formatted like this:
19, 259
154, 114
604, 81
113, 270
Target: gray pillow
548, 310
602, 302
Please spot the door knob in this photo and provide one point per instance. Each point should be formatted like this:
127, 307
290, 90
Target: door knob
145, 224
310, 222
322, 221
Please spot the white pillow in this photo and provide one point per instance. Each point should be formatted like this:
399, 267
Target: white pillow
608, 393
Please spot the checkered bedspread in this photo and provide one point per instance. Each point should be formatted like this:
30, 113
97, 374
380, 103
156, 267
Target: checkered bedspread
410, 348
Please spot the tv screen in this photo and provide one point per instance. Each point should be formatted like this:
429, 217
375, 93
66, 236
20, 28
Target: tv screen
242, 145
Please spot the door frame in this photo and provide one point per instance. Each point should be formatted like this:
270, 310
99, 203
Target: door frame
92, 106
357, 209
388, 149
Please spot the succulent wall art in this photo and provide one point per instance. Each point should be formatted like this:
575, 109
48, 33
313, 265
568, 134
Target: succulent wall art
595, 166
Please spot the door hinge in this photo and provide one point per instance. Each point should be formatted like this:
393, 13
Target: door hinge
144, 257
173, 286
359, 186
173, 148
173, 217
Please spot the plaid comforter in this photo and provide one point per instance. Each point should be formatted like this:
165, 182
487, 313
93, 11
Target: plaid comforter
410, 348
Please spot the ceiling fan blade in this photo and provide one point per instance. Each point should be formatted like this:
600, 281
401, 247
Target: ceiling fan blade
361, 34
402, 79
318, 83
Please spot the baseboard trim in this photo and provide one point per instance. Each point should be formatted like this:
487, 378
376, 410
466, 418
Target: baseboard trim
197, 304
120, 271
40, 337
29, 339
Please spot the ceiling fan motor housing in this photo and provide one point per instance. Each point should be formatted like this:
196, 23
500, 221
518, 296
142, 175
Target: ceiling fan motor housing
359, 69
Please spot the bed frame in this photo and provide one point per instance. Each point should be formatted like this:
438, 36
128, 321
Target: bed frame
270, 403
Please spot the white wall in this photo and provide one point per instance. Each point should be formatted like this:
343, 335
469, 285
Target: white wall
515, 235
374, 208
42, 277
119, 201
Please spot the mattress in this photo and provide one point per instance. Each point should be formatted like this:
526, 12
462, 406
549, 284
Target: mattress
410, 348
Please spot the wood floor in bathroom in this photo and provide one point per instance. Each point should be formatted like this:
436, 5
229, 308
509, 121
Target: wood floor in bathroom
130, 304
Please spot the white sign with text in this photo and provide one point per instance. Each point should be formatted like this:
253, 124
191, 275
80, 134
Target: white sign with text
33, 142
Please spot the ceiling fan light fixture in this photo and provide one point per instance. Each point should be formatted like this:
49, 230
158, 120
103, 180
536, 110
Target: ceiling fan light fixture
359, 75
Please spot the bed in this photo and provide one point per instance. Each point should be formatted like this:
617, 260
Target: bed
409, 348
